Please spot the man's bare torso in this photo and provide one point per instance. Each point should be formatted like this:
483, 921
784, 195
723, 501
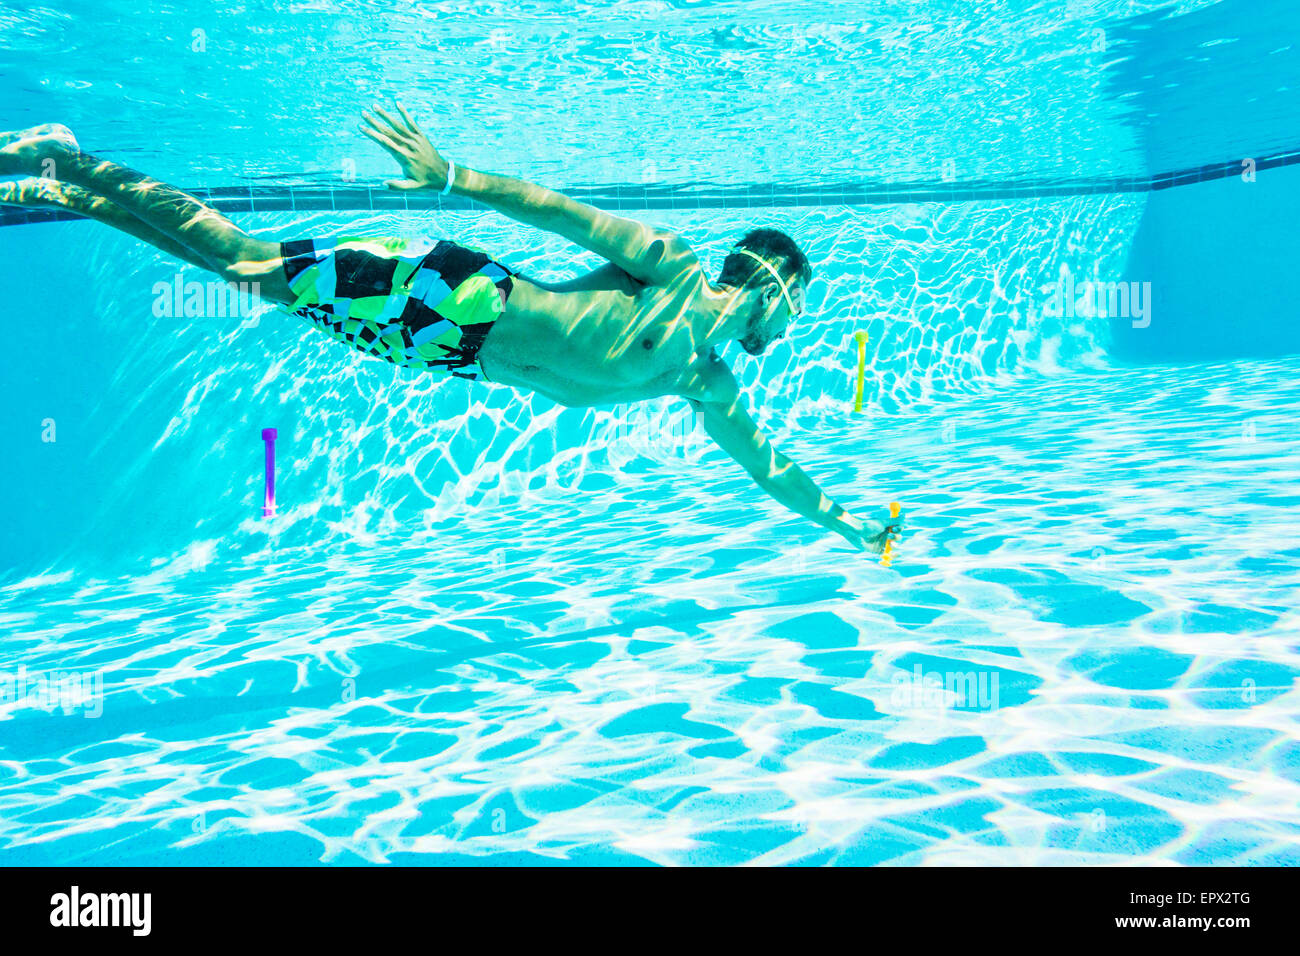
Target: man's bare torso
602, 338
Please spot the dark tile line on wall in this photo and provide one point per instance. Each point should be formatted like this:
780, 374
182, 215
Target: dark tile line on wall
350, 198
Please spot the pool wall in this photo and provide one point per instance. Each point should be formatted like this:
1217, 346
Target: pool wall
1221, 260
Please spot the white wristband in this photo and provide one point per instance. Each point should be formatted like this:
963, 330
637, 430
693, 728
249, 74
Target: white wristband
451, 178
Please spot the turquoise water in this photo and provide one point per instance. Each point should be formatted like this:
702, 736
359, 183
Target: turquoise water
589, 92
487, 629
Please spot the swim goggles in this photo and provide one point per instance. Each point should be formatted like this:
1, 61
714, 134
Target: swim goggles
785, 290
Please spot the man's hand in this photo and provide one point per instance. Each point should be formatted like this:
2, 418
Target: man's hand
423, 166
867, 534
653, 256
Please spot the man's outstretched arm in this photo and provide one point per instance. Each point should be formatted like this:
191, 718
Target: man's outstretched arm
649, 254
726, 421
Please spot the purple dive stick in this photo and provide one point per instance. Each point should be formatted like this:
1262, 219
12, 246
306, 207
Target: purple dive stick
268, 505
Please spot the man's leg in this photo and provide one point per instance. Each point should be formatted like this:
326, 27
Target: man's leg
223, 246
51, 194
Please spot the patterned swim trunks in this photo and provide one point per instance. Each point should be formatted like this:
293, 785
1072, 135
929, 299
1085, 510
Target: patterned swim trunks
417, 303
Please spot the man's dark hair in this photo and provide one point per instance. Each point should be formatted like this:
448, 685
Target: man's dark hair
775, 248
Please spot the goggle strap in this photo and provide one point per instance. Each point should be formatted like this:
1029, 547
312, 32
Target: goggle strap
775, 275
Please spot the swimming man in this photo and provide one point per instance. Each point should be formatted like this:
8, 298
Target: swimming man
643, 325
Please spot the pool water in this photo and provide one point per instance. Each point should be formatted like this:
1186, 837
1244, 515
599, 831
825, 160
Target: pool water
479, 693
485, 629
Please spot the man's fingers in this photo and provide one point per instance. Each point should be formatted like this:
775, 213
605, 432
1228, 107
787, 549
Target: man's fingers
378, 127
392, 123
377, 137
383, 140
410, 123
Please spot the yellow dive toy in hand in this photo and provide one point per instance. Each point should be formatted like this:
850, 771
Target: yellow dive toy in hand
887, 557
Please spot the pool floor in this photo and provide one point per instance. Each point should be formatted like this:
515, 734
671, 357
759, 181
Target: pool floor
670, 669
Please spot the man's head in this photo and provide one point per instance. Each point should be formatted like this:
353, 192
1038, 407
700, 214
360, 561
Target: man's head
768, 265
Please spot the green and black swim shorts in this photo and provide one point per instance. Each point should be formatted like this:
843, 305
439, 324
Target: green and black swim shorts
418, 303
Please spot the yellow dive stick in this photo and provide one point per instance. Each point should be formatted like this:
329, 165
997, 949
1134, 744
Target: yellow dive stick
887, 556
861, 338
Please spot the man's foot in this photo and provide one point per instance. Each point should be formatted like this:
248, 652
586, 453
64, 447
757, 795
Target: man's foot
24, 150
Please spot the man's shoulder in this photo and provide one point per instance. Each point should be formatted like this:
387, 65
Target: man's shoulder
677, 255
708, 380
